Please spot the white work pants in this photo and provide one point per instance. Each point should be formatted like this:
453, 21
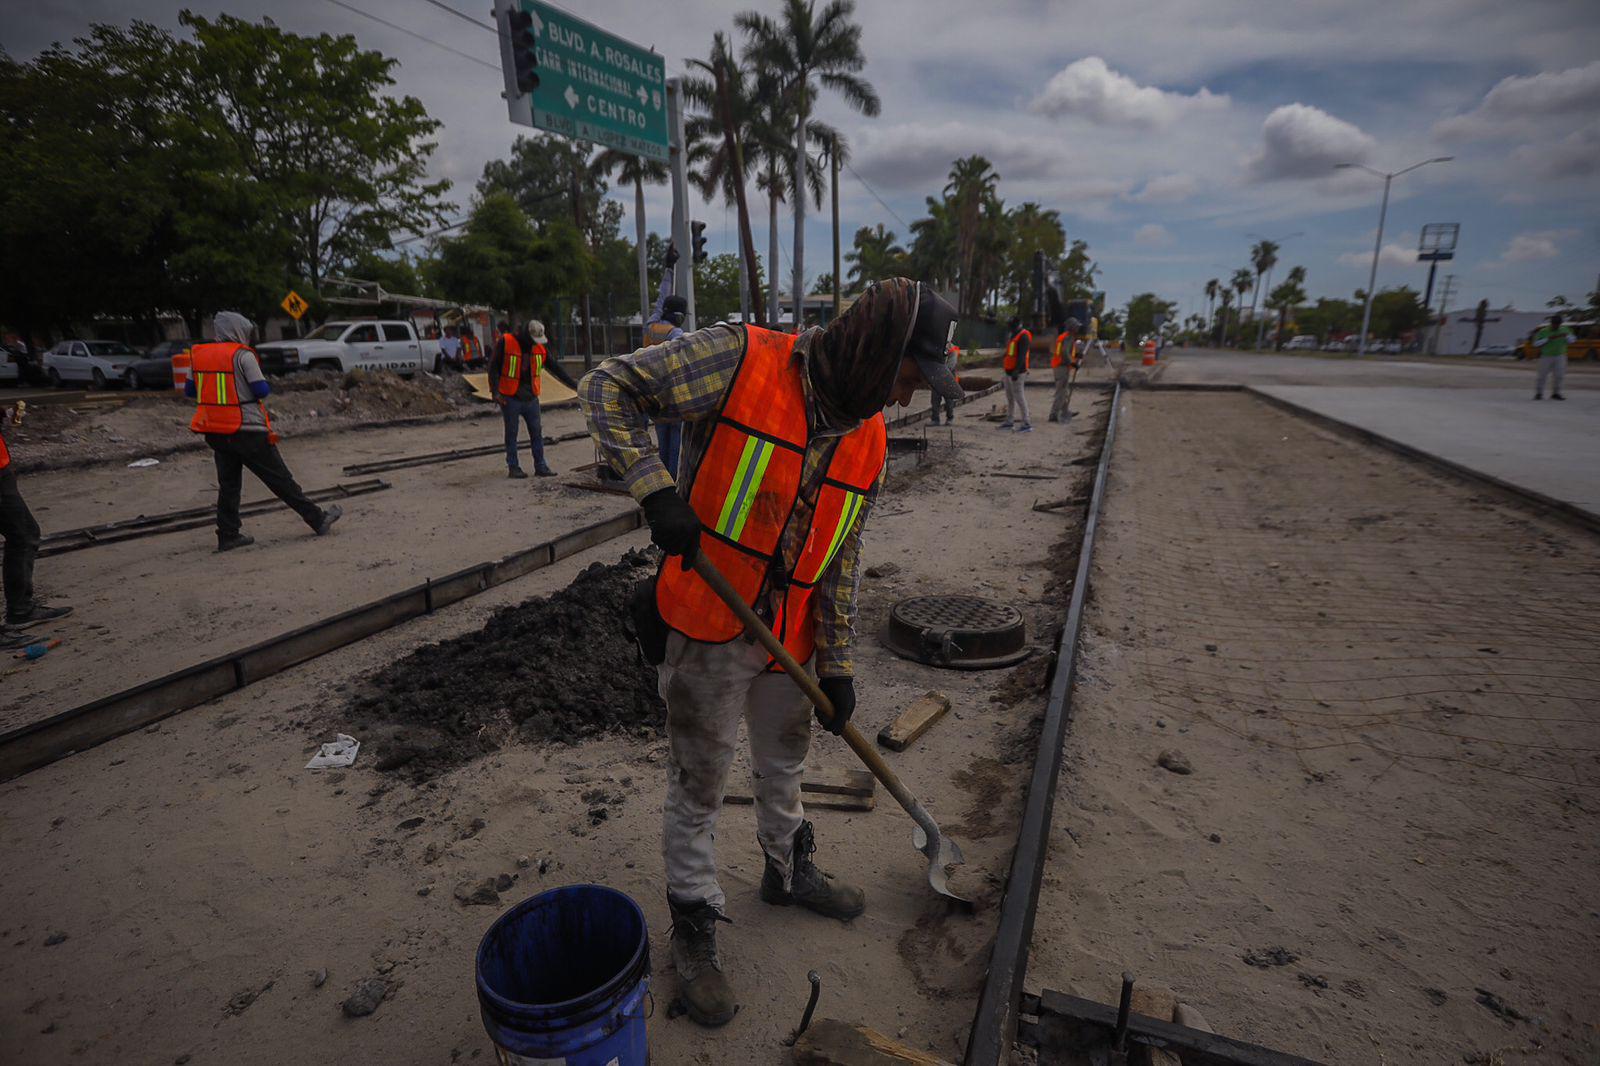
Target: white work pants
1548, 365
1058, 406
1016, 398
708, 688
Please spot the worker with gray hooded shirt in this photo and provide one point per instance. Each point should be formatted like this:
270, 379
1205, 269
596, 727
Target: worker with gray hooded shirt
227, 384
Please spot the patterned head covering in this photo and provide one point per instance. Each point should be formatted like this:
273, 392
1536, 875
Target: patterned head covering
855, 359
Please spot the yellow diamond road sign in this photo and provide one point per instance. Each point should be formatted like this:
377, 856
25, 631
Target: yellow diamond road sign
295, 305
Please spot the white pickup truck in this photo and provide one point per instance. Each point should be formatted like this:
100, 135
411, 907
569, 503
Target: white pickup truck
362, 344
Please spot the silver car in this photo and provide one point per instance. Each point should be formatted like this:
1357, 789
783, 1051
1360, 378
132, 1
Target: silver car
98, 363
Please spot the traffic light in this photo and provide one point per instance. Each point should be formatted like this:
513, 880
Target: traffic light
524, 51
698, 230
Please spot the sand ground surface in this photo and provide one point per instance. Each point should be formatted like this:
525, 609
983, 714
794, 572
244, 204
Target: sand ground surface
1386, 685
172, 895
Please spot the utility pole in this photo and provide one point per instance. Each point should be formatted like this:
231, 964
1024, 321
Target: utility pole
1377, 245
1445, 292
680, 199
833, 157
577, 220
642, 242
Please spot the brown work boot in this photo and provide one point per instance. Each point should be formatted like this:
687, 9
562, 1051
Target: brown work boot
810, 887
702, 986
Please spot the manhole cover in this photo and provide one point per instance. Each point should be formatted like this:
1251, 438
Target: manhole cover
960, 632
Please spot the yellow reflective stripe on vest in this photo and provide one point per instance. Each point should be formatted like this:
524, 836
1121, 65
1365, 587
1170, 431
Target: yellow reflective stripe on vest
847, 518
513, 366
746, 479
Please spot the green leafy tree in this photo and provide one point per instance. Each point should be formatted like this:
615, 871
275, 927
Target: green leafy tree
1397, 311
1111, 326
809, 51
932, 257
1078, 272
636, 171
716, 288
501, 260
1142, 311
1285, 298
1241, 282
970, 191
874, 256
1328, 318
1034, 231
1263, 257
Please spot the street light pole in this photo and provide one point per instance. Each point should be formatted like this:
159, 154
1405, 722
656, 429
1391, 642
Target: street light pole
1383, 212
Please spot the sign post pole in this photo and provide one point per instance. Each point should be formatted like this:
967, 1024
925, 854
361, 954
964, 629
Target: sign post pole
680, 199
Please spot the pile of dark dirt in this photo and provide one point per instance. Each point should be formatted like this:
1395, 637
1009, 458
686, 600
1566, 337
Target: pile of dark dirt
563, 668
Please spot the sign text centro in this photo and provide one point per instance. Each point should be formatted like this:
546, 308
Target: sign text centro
592, 85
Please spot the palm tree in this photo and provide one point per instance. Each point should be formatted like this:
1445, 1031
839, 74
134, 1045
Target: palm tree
810, 51
638, 170
972, 184
1264, 256
1285, 298
874, 257
1211, 294
1243, 281
725, 94
1225, 295
933, 245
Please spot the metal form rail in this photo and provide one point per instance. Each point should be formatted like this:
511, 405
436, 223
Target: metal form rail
71, 540
41, 743
1000, 1004
379, 466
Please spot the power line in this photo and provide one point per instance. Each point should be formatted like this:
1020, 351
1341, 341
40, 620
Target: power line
414, 34
464, 16
876, 197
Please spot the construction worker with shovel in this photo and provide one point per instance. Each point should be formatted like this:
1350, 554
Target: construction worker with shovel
1064, 360
783, 453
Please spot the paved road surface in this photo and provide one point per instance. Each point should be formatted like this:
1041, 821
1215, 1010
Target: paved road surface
1481, 416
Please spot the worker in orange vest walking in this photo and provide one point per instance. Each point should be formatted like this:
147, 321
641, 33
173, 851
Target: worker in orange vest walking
783, 455
1015, 365
1064, 361
21, 534
515, 373
228, 387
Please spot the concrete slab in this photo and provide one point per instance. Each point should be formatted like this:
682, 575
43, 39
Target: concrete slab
1205, 366
1545, 447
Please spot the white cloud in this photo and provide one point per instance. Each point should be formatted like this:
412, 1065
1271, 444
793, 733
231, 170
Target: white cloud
1089, 89
1516, 101
1577, 155
1535, 245
1300, 141
1152, 235
1392, 254
1166, 189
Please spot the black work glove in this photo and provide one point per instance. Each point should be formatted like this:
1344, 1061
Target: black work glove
674, 528
670, 260
841, 692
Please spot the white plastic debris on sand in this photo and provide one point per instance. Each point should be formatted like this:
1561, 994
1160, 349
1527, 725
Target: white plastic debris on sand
342, 752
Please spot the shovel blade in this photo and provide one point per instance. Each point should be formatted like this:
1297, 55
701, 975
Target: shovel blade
941, 852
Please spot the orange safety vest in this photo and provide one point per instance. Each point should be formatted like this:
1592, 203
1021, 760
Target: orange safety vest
511, 366
216, 389
1021, 344
5, 454
469, 349
744, 490
657, 333
1072, 353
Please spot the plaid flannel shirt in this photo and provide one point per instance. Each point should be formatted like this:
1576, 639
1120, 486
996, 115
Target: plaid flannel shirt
685, 380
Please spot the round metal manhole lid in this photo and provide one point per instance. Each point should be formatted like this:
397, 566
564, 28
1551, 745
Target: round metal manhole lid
959, 632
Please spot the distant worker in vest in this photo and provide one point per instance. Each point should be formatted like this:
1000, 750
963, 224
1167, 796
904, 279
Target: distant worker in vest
784, 450
471, 348
229, 388
952, 358
516, 375
21, 534
1016, 364
1552, 340
1064, 360
666, 324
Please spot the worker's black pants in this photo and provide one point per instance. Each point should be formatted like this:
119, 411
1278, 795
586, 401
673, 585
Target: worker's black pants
21, 535
237, 452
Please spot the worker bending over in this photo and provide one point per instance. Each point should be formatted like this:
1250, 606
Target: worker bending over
784, 447
229, 389
1015, 365
516, 370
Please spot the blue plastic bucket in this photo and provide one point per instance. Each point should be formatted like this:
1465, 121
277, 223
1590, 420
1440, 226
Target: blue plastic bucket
562, 979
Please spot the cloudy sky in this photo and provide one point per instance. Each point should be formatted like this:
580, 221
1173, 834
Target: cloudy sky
1166, 132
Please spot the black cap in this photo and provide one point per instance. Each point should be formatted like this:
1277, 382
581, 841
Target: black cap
932, 332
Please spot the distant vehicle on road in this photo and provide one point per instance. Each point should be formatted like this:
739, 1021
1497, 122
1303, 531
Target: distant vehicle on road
98, 362
363, 344
1496, 351
1386, 347
154, 371
10, 369
1303, 343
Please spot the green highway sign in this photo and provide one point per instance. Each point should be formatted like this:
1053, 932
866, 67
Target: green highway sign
589, 84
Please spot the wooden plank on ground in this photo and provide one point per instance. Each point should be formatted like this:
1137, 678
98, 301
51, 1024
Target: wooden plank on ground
831, 790
833, 1043
1154, 1001
914, 721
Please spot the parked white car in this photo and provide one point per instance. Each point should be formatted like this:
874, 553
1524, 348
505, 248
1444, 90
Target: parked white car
97, 362
10, 372
1303, 343
365, 344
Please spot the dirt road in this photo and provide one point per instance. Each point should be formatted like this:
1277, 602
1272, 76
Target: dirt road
1386, 686
203, 878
